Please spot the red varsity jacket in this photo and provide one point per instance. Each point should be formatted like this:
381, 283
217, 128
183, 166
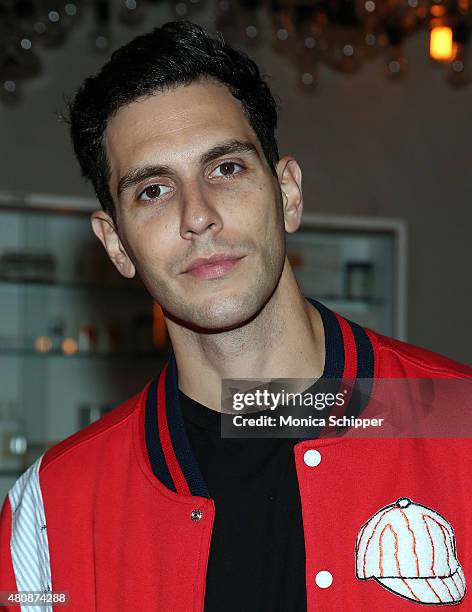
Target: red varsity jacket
118, 515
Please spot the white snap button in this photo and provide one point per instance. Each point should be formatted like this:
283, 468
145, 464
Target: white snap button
324, 579
312, 457
196, 514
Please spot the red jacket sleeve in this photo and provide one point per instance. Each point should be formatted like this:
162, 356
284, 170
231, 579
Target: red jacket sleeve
7, 576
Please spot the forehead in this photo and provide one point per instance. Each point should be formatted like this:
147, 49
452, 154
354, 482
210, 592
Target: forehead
173, 125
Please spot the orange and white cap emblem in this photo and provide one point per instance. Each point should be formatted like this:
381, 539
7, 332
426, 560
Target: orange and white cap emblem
411, 550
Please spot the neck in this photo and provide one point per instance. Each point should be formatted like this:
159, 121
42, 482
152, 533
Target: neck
284, 340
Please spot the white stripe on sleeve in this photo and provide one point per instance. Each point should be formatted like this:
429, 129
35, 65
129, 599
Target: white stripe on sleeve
29, 541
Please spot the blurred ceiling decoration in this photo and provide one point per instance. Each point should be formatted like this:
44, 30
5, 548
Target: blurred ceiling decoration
341, 34
28, 27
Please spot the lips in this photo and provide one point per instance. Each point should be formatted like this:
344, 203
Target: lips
204, 261
214, 266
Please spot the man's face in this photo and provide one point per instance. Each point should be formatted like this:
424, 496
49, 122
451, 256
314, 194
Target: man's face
189, 181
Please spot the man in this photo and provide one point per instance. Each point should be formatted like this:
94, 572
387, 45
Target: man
150, 508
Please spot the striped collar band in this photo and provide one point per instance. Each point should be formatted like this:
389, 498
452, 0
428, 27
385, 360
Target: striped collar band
349, 355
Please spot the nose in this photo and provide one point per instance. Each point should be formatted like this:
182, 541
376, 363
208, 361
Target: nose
198, 214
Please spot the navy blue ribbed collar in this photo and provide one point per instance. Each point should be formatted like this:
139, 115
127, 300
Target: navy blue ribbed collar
170, 455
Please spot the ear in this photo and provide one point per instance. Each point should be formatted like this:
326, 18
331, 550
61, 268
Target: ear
105, 230
290, 181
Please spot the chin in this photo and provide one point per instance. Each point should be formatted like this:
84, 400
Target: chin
219, 312
223, 324
224, 312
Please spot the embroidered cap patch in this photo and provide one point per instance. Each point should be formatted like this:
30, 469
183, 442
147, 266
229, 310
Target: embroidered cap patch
411, 550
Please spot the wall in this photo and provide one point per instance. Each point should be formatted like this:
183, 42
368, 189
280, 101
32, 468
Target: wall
367, 146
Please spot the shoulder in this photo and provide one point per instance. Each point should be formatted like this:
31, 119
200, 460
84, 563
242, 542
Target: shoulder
111, 430
78, 465
401, 359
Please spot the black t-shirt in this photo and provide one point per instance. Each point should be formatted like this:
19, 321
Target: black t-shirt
257, 553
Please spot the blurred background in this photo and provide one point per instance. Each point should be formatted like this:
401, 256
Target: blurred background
375, 99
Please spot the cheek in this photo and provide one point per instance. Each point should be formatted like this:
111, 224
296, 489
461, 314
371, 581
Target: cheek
268, 217
148, 242
258, 204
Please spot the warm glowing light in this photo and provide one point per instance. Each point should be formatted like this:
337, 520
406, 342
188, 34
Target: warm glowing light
69, 346
438, 10
441, 47
43, 344
159, 330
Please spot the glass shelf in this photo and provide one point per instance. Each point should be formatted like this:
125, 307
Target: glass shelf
57, 286
105, 287
31, 353
141, 291
11, 473
340, 301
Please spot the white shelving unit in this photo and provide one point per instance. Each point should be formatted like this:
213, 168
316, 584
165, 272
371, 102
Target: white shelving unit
356, 266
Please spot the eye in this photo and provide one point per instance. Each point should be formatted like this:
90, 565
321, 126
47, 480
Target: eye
227, 169
153, 192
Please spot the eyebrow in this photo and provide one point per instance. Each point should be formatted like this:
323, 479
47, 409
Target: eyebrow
228, 147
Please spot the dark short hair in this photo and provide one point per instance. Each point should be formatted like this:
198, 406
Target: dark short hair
177, 53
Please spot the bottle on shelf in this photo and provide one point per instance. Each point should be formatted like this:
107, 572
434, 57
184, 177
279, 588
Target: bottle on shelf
13, 443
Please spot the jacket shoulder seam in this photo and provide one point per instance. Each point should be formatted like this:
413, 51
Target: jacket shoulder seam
88, 439
415, 361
